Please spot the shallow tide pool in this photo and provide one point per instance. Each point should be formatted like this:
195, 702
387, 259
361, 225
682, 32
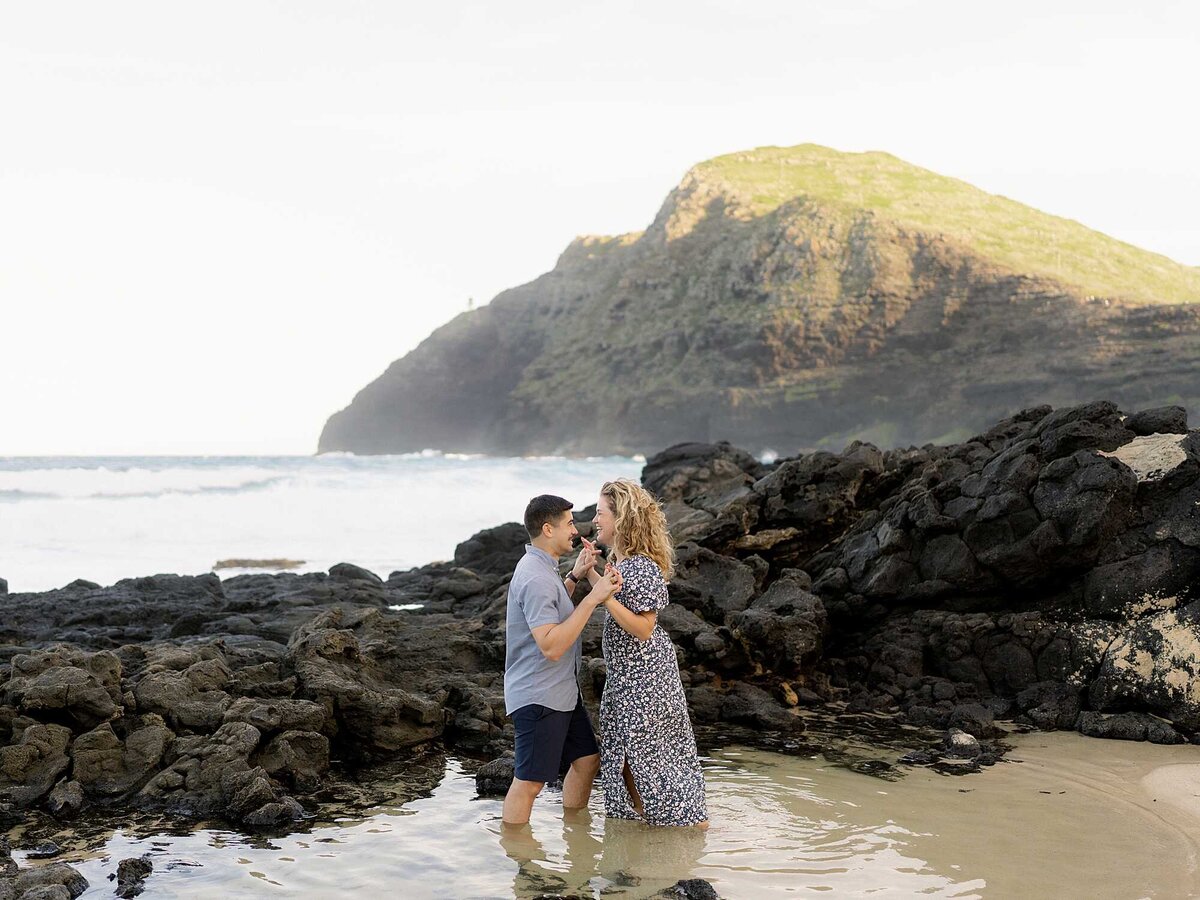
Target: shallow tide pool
1064, 816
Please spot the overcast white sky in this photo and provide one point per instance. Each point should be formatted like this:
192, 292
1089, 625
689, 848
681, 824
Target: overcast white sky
218, 221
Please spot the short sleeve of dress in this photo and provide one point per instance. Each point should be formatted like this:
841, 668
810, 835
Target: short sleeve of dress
643, 588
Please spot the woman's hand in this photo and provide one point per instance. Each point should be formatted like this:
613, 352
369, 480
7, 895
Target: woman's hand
613, 575
606, 586
586, 561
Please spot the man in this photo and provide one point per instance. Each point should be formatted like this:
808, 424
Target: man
542, 659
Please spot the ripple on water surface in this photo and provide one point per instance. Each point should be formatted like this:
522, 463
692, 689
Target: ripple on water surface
1040, 825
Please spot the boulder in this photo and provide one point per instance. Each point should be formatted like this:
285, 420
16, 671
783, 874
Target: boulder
1088, 498
212, 775
66, 799
975, 719
132, 874
48, 882
686, 523
44, 850
493, 778
41, 892
695, 637
106, 766
818, 493
350, 572
1049, 705
746, 704
30, 767
298, 757
1155, 459
1089, 426
711, 585
374, 715
1154, 666
270, 716
1129, 726
960, 745
1165, 570
691, 889
493, 551
186, 689
476, 715
66, 683
684, 472
1160, 420
175, 697
783, 628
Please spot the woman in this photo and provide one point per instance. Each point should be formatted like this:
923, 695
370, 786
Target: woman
648, 752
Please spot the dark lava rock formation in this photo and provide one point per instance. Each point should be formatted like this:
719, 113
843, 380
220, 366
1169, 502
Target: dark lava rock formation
1041, 573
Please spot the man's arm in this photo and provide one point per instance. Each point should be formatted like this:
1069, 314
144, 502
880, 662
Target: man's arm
555, 640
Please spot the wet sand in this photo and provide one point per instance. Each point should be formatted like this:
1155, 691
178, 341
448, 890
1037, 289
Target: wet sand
1066, 816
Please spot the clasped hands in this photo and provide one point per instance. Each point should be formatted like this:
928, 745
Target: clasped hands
604, 586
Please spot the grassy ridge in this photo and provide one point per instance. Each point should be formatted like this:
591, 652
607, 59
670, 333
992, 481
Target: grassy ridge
1012, 234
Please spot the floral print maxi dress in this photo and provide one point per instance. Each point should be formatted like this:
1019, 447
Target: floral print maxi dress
643, 713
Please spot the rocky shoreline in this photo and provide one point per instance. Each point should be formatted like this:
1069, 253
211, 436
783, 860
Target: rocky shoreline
1039, 573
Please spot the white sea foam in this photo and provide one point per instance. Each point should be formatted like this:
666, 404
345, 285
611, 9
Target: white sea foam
78, 482
110, 518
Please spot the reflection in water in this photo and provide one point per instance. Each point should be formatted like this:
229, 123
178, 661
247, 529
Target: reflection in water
536, 874
646, 859
781, 825
601, 856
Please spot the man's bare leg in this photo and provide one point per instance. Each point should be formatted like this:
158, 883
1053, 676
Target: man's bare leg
518, 802
577, 786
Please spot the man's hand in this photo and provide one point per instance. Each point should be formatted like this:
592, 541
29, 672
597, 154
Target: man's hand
607, 587
555, 640
586, 560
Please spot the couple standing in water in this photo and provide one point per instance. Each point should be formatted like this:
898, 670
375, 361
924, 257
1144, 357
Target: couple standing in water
647, 752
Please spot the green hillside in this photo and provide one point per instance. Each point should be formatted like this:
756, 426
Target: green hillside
1012, 234
796, 298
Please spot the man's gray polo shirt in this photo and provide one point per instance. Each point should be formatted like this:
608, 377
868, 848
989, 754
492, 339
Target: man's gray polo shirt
536, 596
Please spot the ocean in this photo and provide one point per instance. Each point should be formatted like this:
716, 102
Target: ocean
108, 518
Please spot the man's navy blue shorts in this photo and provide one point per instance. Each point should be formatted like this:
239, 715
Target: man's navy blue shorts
548, 741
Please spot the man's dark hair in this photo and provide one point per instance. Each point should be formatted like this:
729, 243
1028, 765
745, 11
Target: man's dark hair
542, 509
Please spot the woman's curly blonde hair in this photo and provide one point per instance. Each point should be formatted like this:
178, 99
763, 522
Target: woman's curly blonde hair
641, 527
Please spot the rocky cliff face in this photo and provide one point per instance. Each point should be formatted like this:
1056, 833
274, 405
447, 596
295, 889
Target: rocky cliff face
910, 308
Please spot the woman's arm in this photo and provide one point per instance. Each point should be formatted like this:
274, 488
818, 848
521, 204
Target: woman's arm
640, 625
